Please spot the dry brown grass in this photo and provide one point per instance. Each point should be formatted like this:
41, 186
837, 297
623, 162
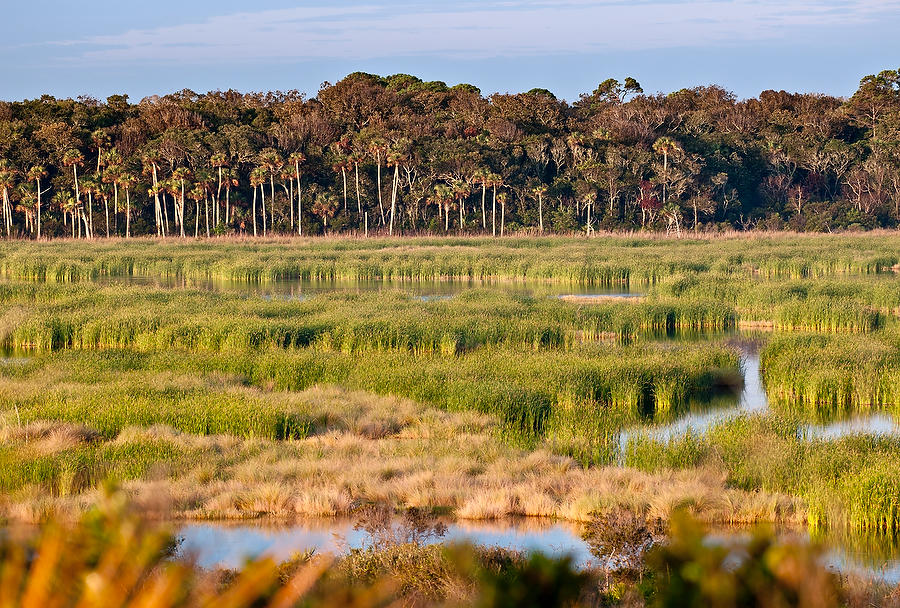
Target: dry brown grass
392, 451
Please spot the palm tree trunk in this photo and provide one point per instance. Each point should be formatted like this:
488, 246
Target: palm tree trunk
502, 217
380, 205
106, 210
216, 216
483, 212
358, 197
394, 197
299, 201
127, 213
6, 210
39, 206
272, 203
254, 210
494, 213
181, 211
262, 194
541, 210
90, 215
116, 207
344, 174
206, 207
291, 202
157, 212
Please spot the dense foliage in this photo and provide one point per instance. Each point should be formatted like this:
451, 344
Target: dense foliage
399, 155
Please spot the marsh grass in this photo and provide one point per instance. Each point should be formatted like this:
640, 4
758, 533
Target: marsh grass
528, 392
828, 377
58, 317
847, 484
612, 260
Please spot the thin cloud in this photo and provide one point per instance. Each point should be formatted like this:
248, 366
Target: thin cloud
472, 30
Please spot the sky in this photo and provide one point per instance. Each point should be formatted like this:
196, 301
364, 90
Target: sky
104, 47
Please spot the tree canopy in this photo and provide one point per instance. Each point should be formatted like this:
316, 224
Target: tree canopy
400, 155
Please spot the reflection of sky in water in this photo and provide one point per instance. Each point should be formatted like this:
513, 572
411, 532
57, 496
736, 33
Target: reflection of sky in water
875, 425
753, 400
230, 545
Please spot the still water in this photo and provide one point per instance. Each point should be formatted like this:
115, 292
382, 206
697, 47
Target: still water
229, 545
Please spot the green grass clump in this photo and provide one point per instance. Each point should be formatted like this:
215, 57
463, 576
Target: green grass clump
54, 318
849, 483
74, 469
529, 392
825, 377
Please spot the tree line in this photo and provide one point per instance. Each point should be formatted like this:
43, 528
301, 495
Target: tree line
397, 155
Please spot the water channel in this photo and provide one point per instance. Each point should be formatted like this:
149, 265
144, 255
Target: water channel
230, 544
216, 544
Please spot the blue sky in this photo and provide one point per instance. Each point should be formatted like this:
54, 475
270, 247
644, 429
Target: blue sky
568, 46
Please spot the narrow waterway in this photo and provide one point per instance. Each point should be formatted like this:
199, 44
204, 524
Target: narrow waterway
301, 289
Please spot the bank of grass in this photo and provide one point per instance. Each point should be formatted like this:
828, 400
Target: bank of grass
849, 483
855, 304
367, 450
608, 260
532, 394
84, 316
826, 377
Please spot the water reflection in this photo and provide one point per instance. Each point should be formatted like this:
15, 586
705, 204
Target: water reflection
874, 425
299, 289
230, 545
752, 400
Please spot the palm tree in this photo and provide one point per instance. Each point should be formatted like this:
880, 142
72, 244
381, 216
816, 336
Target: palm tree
666, 146
66, 205
102, 190
150, 161
197, 194
181, 175
7, 182
326, 206
540, 191
461, 191
218, 161
342, 165
257, 179
394, 159
272, 162
35, 174
502, 198
356, 159
27, 205
377, 150
589, 199
443, 198
204, 182
482, 177
230, 177
296, 159
89, 188
170, 187
286, 181
113, 162
127, 180
495, 182
74, 158
101, 140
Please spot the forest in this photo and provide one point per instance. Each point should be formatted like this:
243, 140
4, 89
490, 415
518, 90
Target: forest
397, 155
